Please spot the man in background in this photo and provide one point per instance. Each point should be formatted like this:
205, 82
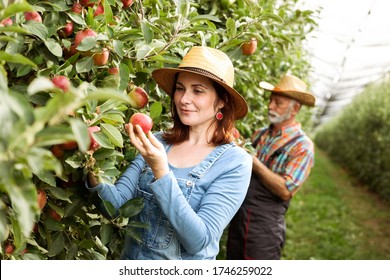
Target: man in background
283, 160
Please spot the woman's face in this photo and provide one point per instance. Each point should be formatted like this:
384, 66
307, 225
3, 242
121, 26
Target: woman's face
196, 99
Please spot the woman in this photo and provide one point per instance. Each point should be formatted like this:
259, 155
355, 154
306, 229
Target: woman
193, 178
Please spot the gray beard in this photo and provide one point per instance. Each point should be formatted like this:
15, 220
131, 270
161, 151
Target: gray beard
275, 118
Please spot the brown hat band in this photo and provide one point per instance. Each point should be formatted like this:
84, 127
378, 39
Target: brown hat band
203, 72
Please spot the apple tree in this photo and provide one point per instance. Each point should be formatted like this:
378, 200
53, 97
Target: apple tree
72, 73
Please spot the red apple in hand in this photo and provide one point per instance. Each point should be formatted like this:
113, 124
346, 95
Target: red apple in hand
93, 146
33, 16
249, 47
61, 82
101, 58
139, 97
143, 120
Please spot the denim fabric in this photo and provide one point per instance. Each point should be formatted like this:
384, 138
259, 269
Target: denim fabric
186, 215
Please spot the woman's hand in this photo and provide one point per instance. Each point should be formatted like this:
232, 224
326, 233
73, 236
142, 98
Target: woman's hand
150, 148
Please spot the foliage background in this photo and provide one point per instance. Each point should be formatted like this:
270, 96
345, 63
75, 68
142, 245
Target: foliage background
358, 138
35, 116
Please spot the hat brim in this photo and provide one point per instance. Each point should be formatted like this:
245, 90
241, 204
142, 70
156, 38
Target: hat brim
165, 79
305, 98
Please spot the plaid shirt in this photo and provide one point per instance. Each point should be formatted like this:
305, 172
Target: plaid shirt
295, 160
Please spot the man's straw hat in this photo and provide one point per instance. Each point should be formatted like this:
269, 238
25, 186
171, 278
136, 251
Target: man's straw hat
291, 87
207, 62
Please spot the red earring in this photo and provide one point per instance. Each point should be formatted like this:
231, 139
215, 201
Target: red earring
219, 116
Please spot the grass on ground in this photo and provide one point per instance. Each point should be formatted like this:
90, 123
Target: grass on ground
334, 218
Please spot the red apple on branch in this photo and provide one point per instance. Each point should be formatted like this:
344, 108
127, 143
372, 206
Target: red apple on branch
113, 71
9, 248
70, 145
42, 198
82, 34
93, 146
100, 59
127, 3
139, 97
67, 30
57, 151
88, 3
53, 213
61, 82
6, 22
99, 10
33, 16
77, 8
249, 47
143, 120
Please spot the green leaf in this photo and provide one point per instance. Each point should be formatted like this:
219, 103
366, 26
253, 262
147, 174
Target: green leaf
118, 48
132, 207
40, 84
15, 8
113, 134
16, 58
103, 94
58, 244
54, 135
23, 198
113, 118
87, 43
47, 177
107, 11
16, 29
166, 59
84, 65
76, 18
37, 29
143, 50
4, 228
80, 131
53, 47
60, 194
109, 208
147, 32
275, 17
156, 110
106, 232
40, 160
124, 76
205, 17
103, 140
231, 28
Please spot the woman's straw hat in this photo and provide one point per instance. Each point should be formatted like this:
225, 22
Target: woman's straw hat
207, 62
291, 87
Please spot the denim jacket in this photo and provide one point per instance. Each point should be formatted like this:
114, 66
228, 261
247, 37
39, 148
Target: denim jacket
186, 215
